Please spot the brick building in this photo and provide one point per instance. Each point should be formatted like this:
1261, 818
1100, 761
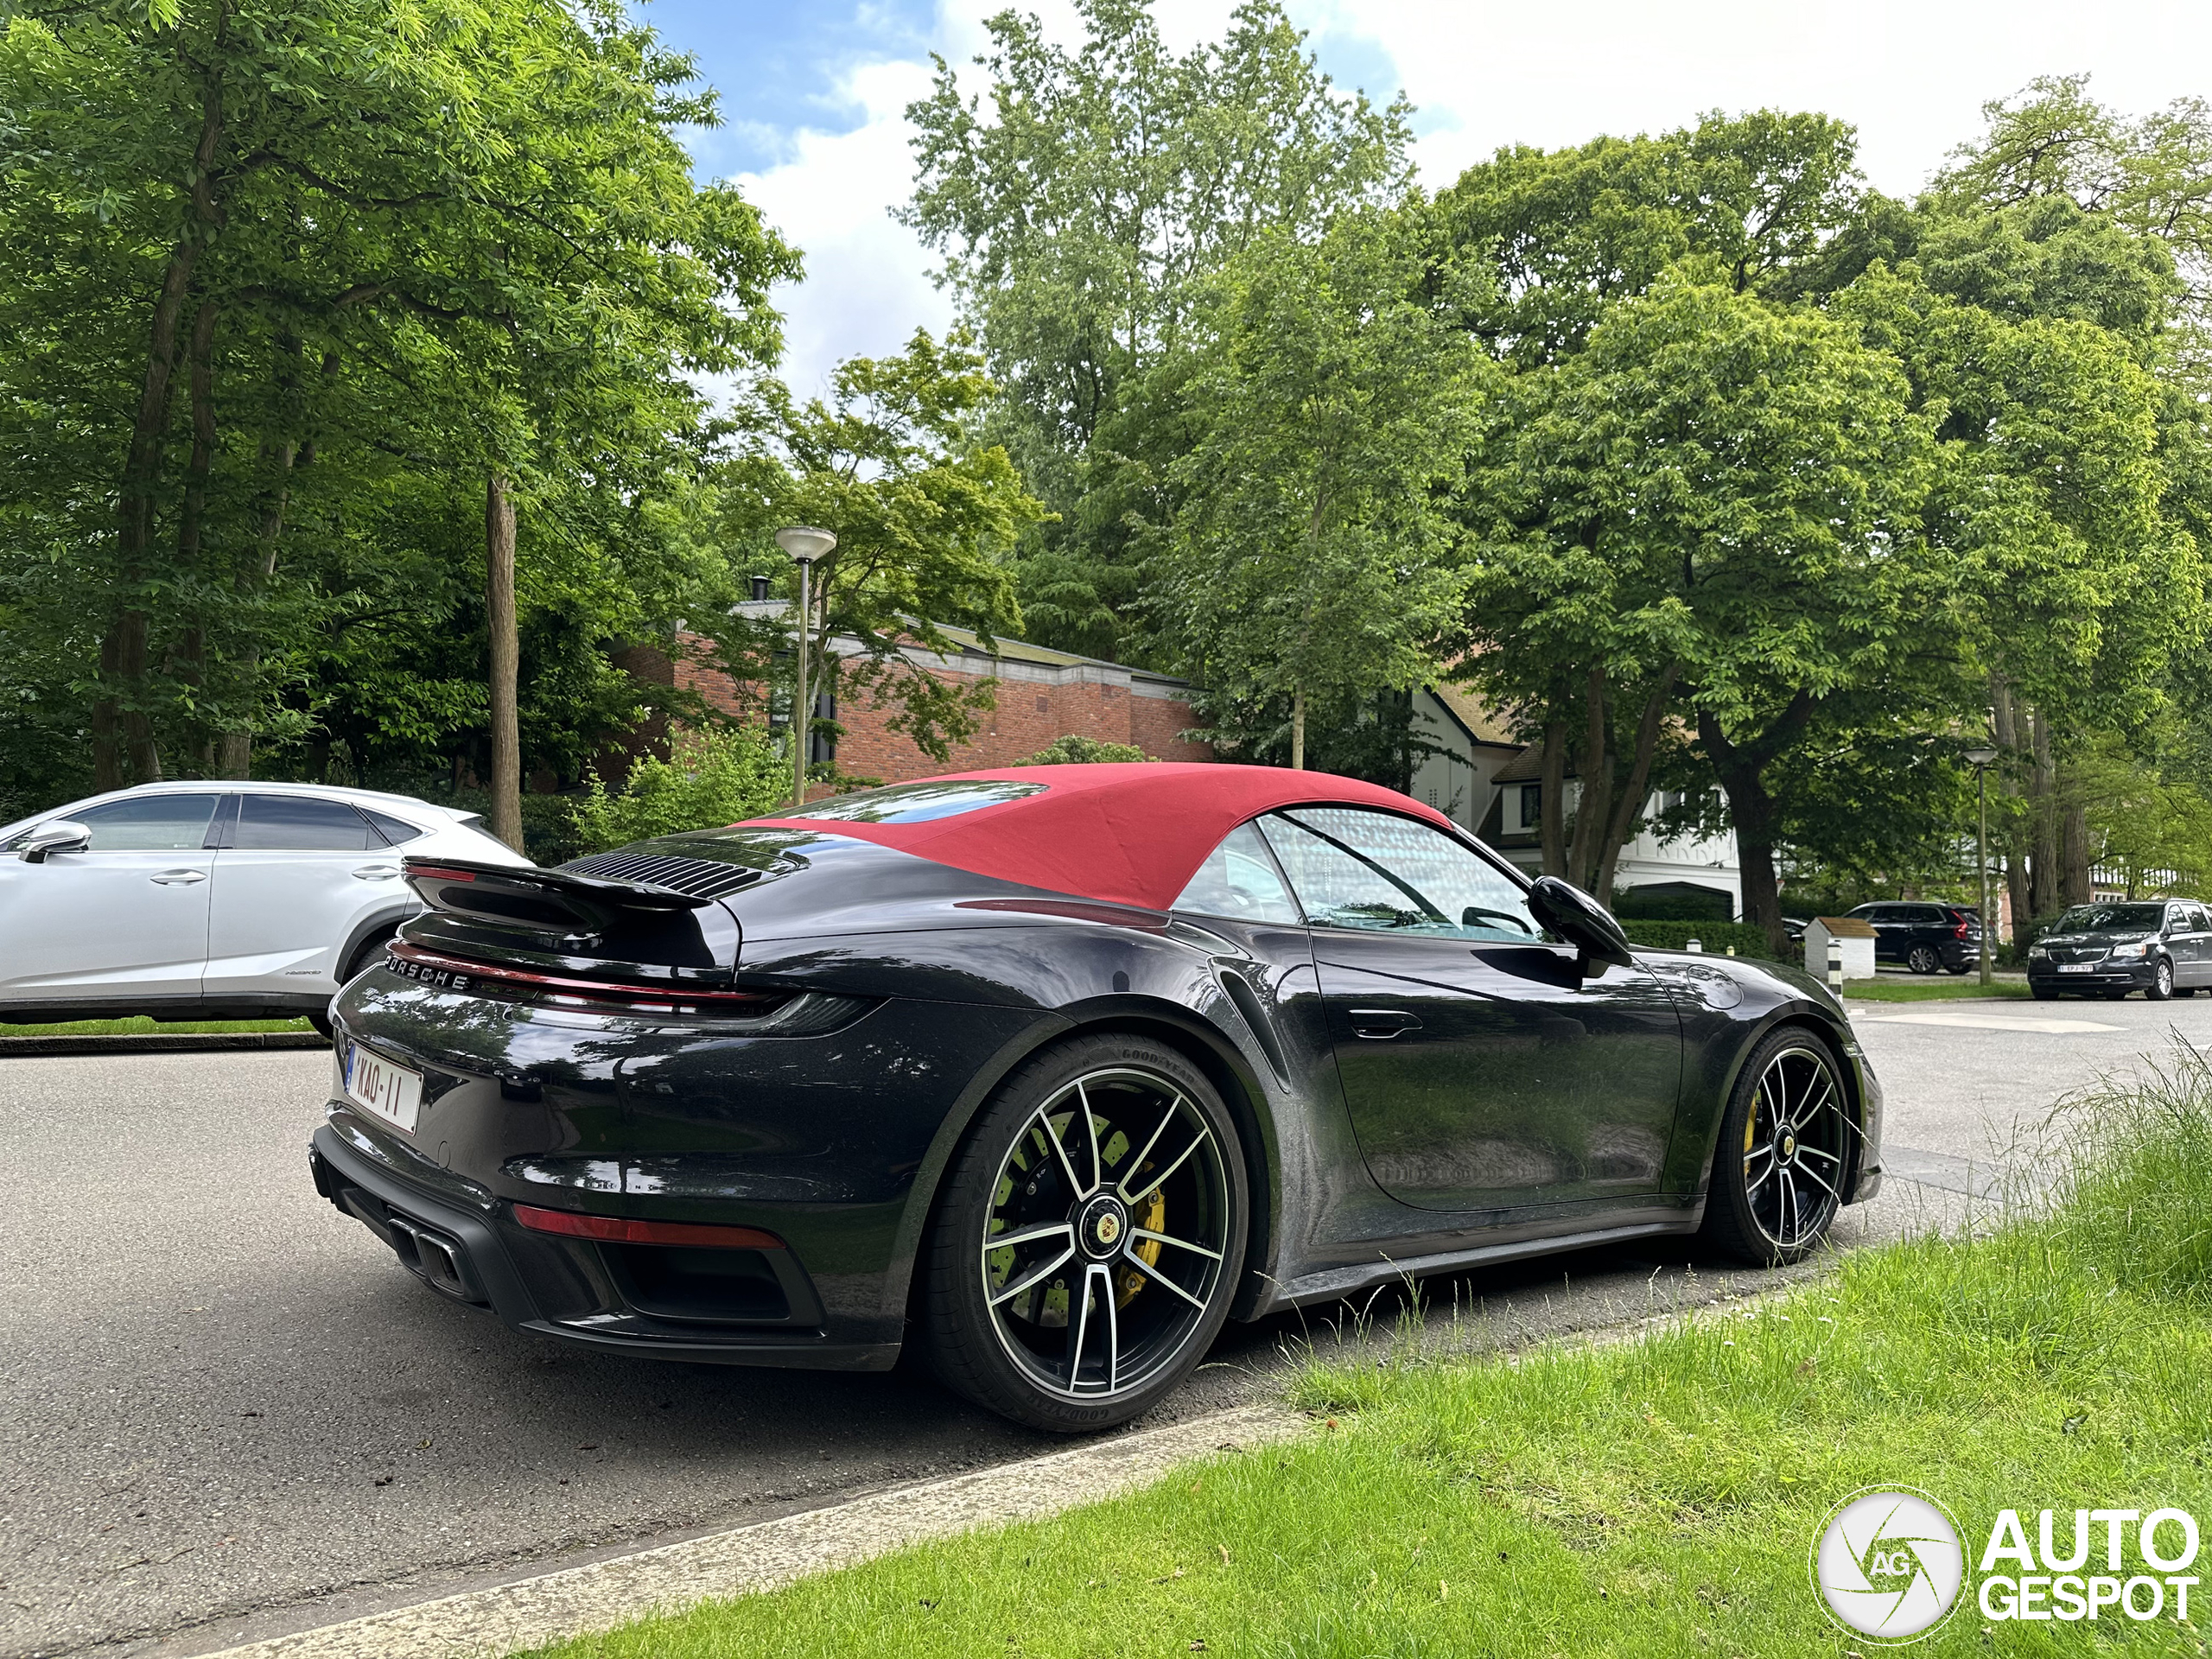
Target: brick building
1041, 694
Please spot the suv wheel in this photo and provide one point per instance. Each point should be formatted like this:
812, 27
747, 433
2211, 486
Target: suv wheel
1923, 959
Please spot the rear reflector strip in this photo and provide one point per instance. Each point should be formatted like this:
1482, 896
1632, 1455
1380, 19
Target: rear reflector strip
439, 872
455, 972
613, 1230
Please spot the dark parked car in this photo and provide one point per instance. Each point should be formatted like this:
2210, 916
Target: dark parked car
2161, 947
1924, 936
1051, 1071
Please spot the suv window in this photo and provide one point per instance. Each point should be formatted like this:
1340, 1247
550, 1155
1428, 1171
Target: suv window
394, 830
1354, 869
164, 823
1932, 913
2197, 921
300, 824
1239, 879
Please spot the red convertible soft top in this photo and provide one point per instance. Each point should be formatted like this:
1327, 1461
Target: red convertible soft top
1129, 834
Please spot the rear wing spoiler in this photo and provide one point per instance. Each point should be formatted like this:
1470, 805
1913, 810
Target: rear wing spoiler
540, 899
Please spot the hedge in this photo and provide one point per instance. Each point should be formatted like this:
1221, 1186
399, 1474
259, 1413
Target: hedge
1715, 937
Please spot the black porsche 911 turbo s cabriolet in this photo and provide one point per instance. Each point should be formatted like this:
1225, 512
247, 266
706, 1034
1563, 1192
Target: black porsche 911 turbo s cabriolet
1053, 1070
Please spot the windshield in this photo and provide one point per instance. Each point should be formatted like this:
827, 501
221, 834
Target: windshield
2113, 918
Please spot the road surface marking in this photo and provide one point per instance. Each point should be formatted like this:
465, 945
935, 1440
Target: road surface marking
1964, 1021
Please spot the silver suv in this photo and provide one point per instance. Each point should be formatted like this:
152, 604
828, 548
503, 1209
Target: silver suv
210, 901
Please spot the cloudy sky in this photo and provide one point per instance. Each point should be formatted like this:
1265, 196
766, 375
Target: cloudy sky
814, 93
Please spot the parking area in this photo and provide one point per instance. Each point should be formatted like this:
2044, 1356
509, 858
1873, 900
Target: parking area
226, 1412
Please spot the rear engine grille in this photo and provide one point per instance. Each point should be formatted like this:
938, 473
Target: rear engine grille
700, 877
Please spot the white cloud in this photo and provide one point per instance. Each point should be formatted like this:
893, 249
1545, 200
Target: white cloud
866, 287
1911, 75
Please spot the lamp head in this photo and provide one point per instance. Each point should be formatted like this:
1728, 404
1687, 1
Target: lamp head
1982, 757
805, 543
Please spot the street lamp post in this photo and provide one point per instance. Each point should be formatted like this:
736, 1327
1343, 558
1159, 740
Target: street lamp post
804, 545
1981, 761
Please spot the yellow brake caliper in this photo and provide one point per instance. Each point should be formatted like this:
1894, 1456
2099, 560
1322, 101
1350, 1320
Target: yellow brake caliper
1147, 1250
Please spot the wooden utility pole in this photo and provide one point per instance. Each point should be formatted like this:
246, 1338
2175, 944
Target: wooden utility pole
506, 652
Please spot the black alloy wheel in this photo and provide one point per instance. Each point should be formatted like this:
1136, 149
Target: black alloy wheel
1089, 1239
1923, 959
2161, 988
1785, 1153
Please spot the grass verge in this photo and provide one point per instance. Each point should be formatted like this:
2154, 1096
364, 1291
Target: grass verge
140, 1024
1659, 1496
1929, 990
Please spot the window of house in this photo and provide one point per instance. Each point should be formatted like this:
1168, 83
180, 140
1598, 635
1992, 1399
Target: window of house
1532, 805
1377, 872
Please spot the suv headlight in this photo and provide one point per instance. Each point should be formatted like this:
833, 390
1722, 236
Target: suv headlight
2037, 953
2134, 950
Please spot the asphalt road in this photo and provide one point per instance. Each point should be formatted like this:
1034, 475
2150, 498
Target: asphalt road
225, 1412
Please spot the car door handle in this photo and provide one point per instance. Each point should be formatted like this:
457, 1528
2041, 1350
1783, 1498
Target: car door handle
173, 878
1382, 1023
376, 871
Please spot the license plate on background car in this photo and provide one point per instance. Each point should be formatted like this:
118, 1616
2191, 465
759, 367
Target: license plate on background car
2076, 967
392, 1092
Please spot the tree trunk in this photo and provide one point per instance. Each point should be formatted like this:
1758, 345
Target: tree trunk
1741, 768
1629, 804
1298, 729
505, 652
2075, 885
1593, 813
120, 717
2007, 730
1551, 799
2043, 807
192, 646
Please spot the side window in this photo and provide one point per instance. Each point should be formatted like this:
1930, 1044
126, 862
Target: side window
2198, 923
1239, 880
394, 830
162, 824
300, 824
1376, 871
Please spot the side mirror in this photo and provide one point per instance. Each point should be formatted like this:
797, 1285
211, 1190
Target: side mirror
1580, 920
56, 836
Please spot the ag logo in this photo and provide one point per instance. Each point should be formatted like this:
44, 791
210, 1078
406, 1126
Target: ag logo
1889, 1565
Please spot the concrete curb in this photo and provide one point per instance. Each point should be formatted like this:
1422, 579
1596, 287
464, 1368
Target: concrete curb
746, 1560
155, 1042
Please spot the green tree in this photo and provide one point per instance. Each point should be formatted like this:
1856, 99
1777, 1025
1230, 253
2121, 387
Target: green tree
925, 512
714, 775
1720, 495
1080, 209
1311, 559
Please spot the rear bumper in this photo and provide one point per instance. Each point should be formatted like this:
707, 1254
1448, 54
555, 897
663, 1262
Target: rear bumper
611, 1297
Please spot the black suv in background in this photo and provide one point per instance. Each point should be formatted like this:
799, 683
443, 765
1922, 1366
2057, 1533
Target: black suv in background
1923, 936
2161, 947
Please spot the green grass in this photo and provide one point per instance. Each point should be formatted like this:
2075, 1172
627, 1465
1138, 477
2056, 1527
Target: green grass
1930, 990
1654, 1496
140, 1024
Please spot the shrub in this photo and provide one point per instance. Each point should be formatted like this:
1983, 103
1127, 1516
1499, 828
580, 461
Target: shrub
1715, 937
713, 778
1073, 751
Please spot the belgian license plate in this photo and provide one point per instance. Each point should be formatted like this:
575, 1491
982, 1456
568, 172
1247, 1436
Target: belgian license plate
2076, 967
392, 1092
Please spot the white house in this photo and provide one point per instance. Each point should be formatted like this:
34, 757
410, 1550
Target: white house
1492, 784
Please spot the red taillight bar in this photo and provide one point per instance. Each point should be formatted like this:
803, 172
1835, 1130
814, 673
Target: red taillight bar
438, 873
613, 1229
595, 991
